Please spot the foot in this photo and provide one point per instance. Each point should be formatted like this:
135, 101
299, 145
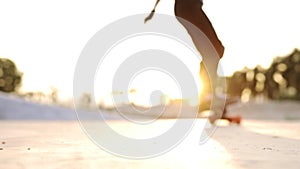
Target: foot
212, 119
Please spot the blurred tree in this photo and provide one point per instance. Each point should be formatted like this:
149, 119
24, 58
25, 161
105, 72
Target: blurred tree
280, 81
85, 100
237, 83
10, 77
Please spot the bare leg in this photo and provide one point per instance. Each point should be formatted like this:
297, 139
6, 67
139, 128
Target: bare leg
208, 45
190, 14
191, 10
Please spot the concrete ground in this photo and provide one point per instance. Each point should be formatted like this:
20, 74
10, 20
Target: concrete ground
264, 142
60, 144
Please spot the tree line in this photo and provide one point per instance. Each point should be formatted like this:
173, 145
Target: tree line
280, 81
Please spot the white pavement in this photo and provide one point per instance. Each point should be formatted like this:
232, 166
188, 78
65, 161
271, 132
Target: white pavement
61, 144
269, 138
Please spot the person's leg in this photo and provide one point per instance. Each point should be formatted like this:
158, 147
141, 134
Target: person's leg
205, 81
197, 24
195, 15
204, 103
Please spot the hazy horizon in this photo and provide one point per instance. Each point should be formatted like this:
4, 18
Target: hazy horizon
45, 39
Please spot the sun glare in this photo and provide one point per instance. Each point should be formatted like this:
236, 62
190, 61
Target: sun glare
253, 32
149, 86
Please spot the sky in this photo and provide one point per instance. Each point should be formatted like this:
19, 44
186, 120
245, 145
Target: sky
45, 38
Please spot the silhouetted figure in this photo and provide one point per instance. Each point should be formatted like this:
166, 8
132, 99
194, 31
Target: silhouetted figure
190, 14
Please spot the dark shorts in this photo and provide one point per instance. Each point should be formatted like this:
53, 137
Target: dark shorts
190, 1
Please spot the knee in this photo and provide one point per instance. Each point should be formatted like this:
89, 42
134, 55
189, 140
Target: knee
221, 51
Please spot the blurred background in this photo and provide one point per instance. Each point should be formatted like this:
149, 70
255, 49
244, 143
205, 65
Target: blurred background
41, 41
